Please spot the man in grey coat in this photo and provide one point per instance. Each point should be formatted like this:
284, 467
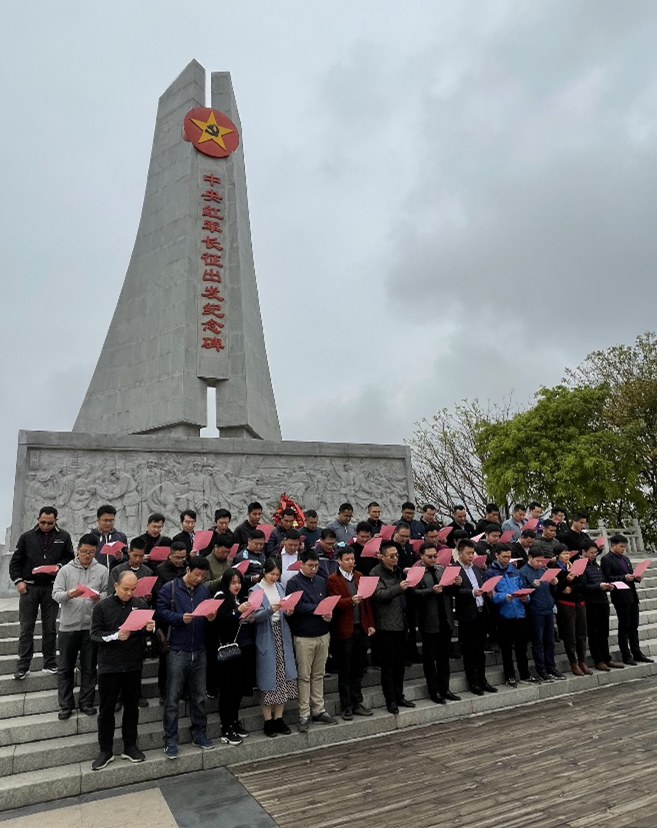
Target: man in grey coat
389, 607
77, 588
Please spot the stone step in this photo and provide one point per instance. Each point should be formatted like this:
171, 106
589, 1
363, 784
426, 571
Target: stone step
27, 786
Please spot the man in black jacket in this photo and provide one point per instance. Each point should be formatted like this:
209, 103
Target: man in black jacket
153, 534
120, 662
459, 524
617, 567
435, 611
473, 616
596, 602
187, 524
245, 530
44, 546
106, 533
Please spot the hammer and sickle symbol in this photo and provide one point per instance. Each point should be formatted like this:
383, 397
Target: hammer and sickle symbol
212, 129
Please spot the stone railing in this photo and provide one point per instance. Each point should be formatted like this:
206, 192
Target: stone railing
632, 532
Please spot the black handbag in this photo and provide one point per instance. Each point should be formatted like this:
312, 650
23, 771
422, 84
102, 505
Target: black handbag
232, 651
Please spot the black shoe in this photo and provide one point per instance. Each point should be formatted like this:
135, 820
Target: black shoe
630, 661
21, 674
488, 687
451, 696
280, 725
230, 738
403, 702
644, 658
143, 702
361, 710
437, 699
133, 754
88, 711
476, 690
543, 676
242, 732
556, 674
529, 680
392, 708
64, 714
270, 728
102, 761
347, 714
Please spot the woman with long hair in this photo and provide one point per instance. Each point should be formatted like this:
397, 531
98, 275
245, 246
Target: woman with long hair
276, 671
235, 675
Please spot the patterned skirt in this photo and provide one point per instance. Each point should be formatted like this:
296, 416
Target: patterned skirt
285, 690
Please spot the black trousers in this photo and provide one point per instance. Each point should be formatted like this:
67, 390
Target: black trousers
351, 655
29, 603
109, 687
597, 625
412, 653
212, 669
472, 640
628, 629
393, 657
70, 645
512, 635
571, 622
231, 683
435, 660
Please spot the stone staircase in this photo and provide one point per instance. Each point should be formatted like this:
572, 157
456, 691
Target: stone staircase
43, 759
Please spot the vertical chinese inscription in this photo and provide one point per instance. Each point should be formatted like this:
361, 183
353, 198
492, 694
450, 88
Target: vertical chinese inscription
212, 302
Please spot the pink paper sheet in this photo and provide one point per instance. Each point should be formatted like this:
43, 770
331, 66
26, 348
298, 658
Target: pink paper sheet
145, 586
208, 607
202, 540
448, 577
290, 601
491, 583
327, 605
415, 575
159, 553
367, 585
137, 620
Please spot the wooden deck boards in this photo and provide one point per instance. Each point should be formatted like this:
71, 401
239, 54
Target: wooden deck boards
595, 754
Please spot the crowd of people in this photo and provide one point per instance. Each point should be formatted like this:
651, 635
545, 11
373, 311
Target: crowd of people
271, 608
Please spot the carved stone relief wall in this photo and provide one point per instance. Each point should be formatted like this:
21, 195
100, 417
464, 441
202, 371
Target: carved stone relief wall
138, 483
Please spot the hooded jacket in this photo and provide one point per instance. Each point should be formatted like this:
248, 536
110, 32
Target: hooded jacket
76, 612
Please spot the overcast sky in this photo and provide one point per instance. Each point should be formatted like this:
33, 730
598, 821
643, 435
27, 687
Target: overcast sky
448, 199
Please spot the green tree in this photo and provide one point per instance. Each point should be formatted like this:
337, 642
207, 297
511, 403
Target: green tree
561, 451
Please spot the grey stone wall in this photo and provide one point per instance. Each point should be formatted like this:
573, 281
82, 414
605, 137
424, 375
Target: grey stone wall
139, 475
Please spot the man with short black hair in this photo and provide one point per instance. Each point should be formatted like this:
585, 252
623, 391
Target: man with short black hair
169, 570
362, 536
616, 566
254, 554
222, 519
104, 532
435, 609
374, 517
289, 555
135, 564
218, 562
596, 590
75, 626
277, 535
44, 546
391, 627
486, 546
575, 536
186, 661
245, 530
408, 517
558, 515
120, 663
492, 516
459, 524
516, 522
351, 625
326, 548
311, 641
188, 525
153, 535
342, 527
520, 549
548, 540
428, 516
310, 530
540, 612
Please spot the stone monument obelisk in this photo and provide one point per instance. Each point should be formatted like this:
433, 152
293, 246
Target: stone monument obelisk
188, 315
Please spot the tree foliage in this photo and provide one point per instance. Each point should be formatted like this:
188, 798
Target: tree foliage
446, 463
560, 451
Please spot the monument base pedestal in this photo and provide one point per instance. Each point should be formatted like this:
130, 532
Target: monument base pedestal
138, 475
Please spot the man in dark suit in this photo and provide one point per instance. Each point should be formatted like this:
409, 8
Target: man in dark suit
435, 611
473, 616
351, 625
617, 567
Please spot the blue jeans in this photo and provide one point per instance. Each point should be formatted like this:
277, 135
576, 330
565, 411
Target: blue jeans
185, 669
541, 628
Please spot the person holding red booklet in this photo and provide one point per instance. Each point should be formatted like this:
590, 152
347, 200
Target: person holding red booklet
75, 626
596, 590
351, 625
135, 564
511, 620
473, 616
435, 609
276, 671
311, 641
540, 613
571, 611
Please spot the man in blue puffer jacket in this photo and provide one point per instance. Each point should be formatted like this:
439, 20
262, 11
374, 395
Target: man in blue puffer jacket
511, 621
